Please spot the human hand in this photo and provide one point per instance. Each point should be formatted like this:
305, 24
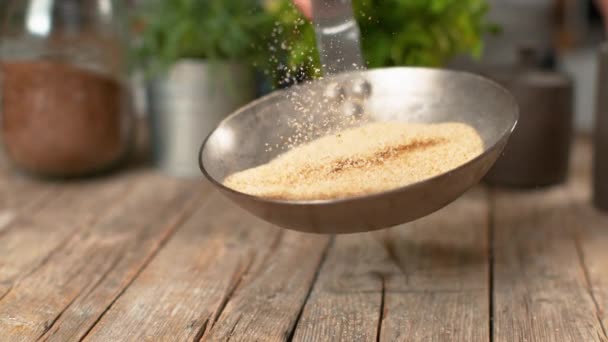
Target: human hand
306, 7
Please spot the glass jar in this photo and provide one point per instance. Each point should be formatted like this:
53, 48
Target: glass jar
65, 102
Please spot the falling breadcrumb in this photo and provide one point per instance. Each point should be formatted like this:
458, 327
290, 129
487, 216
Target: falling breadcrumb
369, 159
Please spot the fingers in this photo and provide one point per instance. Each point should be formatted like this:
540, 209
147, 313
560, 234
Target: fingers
305, 7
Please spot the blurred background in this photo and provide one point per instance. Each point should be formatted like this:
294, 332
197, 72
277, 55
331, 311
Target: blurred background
569, 31
180, 66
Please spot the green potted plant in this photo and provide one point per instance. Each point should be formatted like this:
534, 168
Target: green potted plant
198, 58
394, 32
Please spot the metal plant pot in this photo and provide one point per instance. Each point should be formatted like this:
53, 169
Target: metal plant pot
186, 103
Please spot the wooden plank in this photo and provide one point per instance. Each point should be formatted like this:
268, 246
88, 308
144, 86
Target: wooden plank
24, 195
442, 293
427, 281
591, 232
219, 252
28, 240
346, 300
20, 196
592, 242
19, 193
17, 189
85, 275
266, 305
541, 292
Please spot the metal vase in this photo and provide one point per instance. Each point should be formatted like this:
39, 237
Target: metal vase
187, 103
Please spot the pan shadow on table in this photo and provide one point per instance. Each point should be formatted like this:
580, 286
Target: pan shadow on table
436, 253
454, 247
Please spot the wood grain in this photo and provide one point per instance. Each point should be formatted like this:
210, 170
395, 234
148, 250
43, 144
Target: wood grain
74, 206
592, 242
132, 241
141, 257
31, 238
221, 253
442, 292
266, 305
590, 232
85, 274
541, 289
21, 196
346, 300
426, 281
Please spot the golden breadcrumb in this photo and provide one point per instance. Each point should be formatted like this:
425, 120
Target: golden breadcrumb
369, 159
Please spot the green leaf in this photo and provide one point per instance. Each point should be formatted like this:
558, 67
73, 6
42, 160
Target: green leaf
408, 32
202, 29
273, 35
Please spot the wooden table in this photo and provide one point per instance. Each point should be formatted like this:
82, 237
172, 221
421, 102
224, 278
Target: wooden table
138, 256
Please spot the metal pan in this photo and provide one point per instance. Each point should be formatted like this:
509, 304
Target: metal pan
399, 94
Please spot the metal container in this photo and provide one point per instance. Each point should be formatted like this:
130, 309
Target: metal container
539, 149
187, 103
600, 179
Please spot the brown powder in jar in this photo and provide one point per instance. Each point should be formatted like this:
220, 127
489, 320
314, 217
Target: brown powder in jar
61, 120
369, 159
